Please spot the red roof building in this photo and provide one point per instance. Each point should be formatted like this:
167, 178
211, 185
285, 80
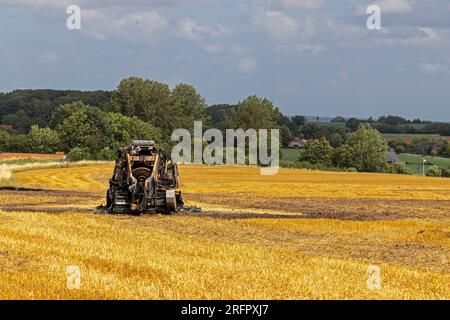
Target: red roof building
6, 126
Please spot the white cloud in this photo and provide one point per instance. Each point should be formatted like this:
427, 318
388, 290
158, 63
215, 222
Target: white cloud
299, 4
92, 4
38, 3
394, 6
111, 23
278, 24
247, 65
190, 30
434, 69
282, 27
386, 6
409, 36
287, 51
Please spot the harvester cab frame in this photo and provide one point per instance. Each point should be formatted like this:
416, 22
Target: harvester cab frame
145, 180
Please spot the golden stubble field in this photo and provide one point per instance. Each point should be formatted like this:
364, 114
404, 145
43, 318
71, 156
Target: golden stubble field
296, 235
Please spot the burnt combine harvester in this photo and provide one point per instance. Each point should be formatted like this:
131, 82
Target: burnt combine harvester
144, 181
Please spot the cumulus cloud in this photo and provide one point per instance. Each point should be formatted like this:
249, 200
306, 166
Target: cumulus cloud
282, 27
408, 36
387, 6
90, 4
133, 20
416, 13
434, 69
287, 51
191, 30
298, 4
110, 23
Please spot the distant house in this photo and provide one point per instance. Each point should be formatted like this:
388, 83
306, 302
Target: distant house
6, 126
298, 143
392, 157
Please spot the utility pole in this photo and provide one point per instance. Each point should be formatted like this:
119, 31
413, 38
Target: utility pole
423, 165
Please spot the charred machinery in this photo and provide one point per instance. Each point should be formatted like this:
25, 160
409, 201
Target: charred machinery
145, 180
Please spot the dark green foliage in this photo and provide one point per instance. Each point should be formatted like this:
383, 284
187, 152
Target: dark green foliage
338, 119
254, 113
395, 168
318, 151
368, 149
106, 154
85, 128
43, 140
78, 154
23, 108
393, 120
434, 171
399, 145
352, 124
218, 115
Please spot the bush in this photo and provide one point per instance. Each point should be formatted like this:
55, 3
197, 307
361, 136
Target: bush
106, 154
395, 168
446, 173
434, 171
318, 152
367, 149
43, 140
78, 154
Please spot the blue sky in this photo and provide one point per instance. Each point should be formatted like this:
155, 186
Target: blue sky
313, 57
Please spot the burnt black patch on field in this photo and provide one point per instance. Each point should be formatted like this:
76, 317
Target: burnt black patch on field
14, 199
335, 208
48, 192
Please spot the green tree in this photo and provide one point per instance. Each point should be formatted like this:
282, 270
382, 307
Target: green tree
20, 120
192, 104
106, 154
299, 120
86, 128
352, 124
318, 151
125, 129
42, 140
65, 110
338, 119
153, 102
343, 156
399, 145
78, 154
369, 149
4, 140
218, 114
286, 135
18, 143
336, 140
254, 113
141, 98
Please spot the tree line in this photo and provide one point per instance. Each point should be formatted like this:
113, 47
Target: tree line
92, 125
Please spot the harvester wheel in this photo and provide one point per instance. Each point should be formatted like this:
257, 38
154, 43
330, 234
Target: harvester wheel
109, 199
171, 201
